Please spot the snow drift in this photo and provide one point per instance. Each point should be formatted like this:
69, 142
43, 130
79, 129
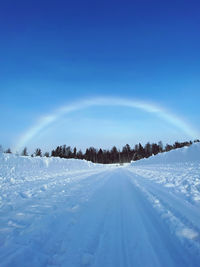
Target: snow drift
179, 155
13, 166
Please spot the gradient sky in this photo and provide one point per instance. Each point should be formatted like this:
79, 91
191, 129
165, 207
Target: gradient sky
56, 52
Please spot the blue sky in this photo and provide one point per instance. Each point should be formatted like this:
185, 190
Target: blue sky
56, 52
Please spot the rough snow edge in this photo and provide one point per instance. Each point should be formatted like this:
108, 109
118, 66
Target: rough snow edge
11, 164
184, 154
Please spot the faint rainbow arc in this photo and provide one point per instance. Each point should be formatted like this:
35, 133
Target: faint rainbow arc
46, 120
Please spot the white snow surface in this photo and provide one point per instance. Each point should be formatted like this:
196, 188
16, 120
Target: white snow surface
58, 212
22, 166
184, 154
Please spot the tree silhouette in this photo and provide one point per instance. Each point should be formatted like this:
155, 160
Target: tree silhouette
38, 152
8, 151
115, 155
24, 152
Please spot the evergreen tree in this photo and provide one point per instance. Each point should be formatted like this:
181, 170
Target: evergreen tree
168, 147
160, 144
105, 156
53, 153
141, 151
69, 153
24, 152
74, 152
64, 151
126, 153
100, 156
148, 150
155, 149
114, 155
38, 152
8, 151
79, 155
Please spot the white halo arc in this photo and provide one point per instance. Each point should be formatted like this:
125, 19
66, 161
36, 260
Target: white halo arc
46, 120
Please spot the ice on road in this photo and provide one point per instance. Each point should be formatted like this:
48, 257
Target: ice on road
101, 217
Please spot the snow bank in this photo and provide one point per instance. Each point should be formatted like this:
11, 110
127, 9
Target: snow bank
13, 166
177, 170
179, 155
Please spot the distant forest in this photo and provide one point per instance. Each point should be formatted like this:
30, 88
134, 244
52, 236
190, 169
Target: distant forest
106, 156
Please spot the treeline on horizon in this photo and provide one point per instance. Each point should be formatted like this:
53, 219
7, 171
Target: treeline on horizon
108, 156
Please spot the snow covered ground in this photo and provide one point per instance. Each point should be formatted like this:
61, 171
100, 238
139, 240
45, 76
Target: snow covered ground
56, 212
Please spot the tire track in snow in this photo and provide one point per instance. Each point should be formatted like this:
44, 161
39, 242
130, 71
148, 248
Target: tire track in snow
180, 215
42, 219
102, 220
120, 227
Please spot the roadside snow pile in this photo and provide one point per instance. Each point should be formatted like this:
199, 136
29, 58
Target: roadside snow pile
185, 154
177, 170
27, 168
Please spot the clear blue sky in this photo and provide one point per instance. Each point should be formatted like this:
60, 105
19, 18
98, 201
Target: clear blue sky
55, 52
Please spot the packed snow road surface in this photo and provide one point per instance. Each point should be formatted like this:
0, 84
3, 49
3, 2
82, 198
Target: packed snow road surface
111, 216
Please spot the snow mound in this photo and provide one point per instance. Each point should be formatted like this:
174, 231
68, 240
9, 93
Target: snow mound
13, 166
179, 155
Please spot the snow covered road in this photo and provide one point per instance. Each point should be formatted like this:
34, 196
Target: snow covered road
102, 217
